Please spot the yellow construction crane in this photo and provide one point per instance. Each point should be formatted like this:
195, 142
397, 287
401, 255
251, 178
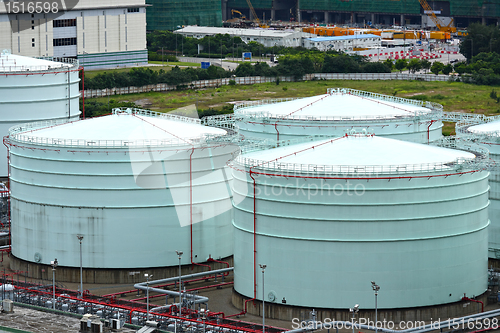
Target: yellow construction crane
439, 24
255, 17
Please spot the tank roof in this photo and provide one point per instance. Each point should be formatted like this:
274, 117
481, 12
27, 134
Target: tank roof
119, 129
341, 104
361, 150
17, 63
489, 127
358, 153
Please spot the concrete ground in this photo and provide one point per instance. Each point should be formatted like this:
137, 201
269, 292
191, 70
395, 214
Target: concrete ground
220, 301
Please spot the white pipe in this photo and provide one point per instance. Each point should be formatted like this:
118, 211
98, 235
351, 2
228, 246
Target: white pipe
197, 298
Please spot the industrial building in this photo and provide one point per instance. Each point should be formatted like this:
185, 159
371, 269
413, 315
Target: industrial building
486, 132
99, 33
133, 184
344, 43
327, 217
360, 12
268, 38
338, 110
33, 90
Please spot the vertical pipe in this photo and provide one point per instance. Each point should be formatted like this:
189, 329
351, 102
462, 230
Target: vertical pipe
376, 327
53, 288
81, 268
191, 209
83, 91
254, 238
263, 305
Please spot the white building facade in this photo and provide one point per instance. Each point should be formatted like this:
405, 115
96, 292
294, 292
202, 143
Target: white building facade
266, 37
100, 33
343, 43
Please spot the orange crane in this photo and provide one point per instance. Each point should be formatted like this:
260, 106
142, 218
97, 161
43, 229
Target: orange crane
439, 24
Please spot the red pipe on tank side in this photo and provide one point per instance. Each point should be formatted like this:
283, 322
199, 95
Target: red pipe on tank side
191, 209
5, 142
254, 238
428, 129
473, 300
83, 91
278, 132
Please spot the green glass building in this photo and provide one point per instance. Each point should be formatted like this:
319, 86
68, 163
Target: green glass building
171, 14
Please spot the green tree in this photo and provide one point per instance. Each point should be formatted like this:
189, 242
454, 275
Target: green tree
426, 64
437, 67
447, 69
401, 64
414, 65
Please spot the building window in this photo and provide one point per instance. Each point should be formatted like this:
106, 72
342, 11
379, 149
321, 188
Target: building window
64, 23
133, 10
64, 41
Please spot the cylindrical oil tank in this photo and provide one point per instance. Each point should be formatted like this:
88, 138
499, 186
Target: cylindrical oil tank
337, 110
35, 90
137, 185
328, 217
486, 133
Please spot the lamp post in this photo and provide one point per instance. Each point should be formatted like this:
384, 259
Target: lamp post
375, 288
54, 265
80, 238
147, 294
263, 267
354, 310
179, 253
203, 317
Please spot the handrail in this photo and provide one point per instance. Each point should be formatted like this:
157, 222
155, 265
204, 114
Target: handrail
23, 134
479, 161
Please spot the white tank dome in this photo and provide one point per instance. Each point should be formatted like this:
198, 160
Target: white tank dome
135, 184
327, 217
340, 109
34, 90
486, 133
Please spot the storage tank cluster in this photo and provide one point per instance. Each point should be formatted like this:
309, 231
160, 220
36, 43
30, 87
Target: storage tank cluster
326, 216
329, 216
135, 184
486, 133
337, 110
35, 90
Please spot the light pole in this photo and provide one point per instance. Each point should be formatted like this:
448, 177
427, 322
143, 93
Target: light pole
80, 238
179, 253
354, 310
375, 288
54, 265
263, 267
147, 294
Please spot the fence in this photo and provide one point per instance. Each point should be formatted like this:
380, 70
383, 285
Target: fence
260, 79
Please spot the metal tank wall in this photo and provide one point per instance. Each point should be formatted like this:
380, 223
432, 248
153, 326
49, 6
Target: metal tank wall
35, 94
63, 188
422, 237
420, 128
489, 141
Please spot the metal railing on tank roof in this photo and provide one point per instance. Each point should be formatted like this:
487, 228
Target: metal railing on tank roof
434, 110
480, 161
25, 133
9, 66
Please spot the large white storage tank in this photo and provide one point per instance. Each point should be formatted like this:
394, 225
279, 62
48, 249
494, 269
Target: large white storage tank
35, 90
337, 110
486, 133
136, 185
328, 217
